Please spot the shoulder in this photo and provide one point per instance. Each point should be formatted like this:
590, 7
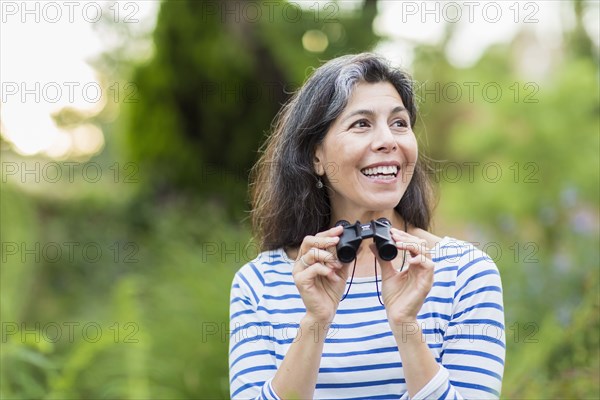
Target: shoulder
253, 276
449, 248
270, 259
444, 248
469, 265
431, 239
460, 256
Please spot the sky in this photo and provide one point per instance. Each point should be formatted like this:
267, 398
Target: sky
45, 53
46, 47
479, 24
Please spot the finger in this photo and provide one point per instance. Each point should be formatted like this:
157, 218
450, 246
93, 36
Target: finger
324, 240
420, 261
334, 234
415, 247
335, 231
405, 235
317, 255
315, 270
397, 231
320, 240
314, 256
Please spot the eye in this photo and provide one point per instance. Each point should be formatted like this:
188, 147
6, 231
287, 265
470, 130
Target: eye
361, 123
400, 123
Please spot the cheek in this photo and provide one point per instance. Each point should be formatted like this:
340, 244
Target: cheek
341, 154
410, 147
416, 152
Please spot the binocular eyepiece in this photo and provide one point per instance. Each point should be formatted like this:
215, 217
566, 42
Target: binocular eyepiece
353, 235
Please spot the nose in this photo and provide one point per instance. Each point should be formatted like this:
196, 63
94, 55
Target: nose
383, 139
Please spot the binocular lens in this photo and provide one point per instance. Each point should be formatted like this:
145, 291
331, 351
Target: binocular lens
387, 252
346, 254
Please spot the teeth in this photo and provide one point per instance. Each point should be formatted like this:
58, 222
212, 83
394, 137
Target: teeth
381, 170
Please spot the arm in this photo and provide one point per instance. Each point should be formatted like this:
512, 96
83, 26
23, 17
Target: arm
472, 357
474, 342
473, 350
253, 368
403, 295
297, 375
418, 363
320, 280
252, 358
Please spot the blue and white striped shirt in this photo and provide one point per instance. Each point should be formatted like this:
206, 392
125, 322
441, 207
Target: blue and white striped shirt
462, 320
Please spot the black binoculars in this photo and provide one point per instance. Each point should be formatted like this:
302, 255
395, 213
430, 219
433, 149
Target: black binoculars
353, 235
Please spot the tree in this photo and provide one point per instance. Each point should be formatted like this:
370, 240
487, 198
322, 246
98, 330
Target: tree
220, 73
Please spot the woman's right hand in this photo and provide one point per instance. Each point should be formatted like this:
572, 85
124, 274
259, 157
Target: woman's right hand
319, 276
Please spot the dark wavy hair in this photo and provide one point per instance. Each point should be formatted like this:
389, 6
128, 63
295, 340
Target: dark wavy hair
286, 204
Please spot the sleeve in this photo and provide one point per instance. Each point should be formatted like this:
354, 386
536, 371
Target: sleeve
252, 357
474, 344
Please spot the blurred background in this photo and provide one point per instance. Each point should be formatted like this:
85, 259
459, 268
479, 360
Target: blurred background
127, 133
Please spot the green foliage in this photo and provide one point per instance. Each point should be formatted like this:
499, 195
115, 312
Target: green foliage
162, 311
530, 158
217, 79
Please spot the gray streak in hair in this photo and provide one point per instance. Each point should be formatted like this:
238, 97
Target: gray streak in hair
286, 204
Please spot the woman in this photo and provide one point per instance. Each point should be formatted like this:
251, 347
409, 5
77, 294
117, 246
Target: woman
428, 324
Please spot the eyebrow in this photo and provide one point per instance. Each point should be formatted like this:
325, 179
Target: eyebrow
371, 113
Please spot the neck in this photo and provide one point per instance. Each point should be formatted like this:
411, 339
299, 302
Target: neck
366, 216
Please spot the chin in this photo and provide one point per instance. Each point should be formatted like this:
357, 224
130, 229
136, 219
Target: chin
384, 204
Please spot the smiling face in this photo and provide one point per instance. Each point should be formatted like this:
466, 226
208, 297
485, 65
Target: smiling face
368, 154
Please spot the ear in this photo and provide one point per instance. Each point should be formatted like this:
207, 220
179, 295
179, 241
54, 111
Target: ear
318, 164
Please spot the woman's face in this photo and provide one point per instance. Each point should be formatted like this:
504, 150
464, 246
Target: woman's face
369, 153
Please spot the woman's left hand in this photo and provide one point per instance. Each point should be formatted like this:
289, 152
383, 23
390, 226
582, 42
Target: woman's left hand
405, 291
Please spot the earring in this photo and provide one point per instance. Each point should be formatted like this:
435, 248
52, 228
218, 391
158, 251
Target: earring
319, 184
